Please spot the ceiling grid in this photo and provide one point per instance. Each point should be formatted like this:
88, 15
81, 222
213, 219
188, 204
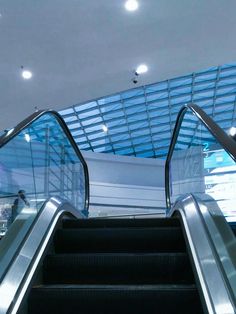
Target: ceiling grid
128, 125
234, 113
140, 120
149, 123
215, 91
78, 120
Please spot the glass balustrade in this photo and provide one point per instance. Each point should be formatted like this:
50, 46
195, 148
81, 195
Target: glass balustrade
201, 162
200, 165
37, 163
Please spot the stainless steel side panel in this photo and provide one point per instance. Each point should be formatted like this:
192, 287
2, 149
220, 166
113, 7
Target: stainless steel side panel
21, 270
215, 287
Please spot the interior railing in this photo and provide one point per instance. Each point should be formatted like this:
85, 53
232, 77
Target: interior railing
23, 256
43, 176
39, 159
200, 176
196, 137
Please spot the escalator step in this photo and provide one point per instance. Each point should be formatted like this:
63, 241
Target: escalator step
114, 223
118, 269
165, 239
71, 299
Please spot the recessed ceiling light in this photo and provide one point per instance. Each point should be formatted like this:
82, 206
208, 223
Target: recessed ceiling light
131, 5
232, 131
27, 137
105, 128
142, 68
26, 74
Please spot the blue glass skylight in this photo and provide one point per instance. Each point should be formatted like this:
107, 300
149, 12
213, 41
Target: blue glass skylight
140, 121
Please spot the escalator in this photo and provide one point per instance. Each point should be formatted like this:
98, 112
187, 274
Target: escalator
117, 266
53, 259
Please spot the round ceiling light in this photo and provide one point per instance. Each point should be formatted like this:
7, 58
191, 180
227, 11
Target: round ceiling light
142, 68
27, 137
131, 5
105, 128
232, 131
26, 74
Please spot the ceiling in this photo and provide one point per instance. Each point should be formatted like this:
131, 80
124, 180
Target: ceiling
140, 122
80, 50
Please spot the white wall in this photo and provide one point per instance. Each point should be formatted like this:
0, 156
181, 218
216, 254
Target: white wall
120, 185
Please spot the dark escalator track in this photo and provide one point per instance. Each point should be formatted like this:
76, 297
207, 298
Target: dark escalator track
233, 227
117, 266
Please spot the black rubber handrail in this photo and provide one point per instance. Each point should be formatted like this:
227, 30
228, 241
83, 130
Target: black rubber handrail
8, 136
226, 141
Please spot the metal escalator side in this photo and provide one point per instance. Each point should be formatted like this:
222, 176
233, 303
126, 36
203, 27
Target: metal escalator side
200, 181
21, 269
212, 249
43, 176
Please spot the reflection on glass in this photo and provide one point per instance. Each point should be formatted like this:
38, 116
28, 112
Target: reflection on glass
201, 166
20, 205
38, 163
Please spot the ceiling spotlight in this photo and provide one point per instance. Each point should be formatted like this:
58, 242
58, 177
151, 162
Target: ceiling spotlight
26, 74
232, 131
131, 5
27, 137
105, 128
142, 68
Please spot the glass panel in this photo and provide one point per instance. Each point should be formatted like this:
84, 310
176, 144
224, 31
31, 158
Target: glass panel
38, 163
201, 166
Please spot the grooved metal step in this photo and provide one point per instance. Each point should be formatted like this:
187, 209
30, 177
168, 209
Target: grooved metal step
118, 268
152, 239
166, 299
